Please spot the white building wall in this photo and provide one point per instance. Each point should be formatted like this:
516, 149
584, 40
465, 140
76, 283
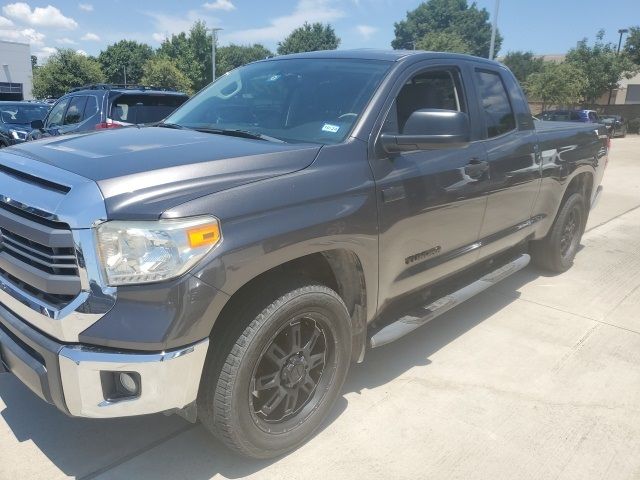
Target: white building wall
621, 94
15, 66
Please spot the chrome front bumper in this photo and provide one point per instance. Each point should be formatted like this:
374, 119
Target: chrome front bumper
169, 380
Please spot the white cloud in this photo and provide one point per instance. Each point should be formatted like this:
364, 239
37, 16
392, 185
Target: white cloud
44, 53
225, 5
82, 52
48, 16
5, 22
26, 35
166, 25
65, 41
87, 7
90, 37
280, 27
366, 31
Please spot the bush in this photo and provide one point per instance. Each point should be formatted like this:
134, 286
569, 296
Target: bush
634, 125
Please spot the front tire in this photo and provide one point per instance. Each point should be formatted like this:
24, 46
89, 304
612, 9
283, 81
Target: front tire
266, 391
558, 249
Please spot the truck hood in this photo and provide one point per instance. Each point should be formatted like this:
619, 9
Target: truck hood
141, 172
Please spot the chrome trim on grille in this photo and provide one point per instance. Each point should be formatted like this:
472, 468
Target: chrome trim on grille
81, 207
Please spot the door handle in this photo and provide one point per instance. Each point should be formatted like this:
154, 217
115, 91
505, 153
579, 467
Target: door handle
476, 168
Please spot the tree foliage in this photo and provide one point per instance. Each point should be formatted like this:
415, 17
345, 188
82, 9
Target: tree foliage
309, 38
127, 54
444, 42
64, 70
523, 64
234, 56
162, 72
191, 53
601, 66
433, 17
556, 84
632, 44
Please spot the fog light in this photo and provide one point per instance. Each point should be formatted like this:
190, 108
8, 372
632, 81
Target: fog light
128, 383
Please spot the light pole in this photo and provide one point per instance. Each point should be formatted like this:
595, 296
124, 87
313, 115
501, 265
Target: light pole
494, 27
214, 39
621, 31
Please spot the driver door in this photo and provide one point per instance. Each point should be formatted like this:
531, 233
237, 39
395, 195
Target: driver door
431, 202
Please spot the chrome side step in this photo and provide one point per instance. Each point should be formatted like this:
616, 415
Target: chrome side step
425, 314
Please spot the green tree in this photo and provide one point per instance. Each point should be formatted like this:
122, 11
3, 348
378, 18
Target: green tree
452, 16
632, 44
162, 72
234, 56
556, 84
127, 54
34, 62
444, 42
523, 64
309, 38
601, 66
64, 70
191, 53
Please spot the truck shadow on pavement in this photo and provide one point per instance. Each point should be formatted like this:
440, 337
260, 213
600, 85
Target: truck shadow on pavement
116, 448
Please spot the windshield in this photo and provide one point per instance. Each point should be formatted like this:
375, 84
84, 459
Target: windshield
295, 100
22, 114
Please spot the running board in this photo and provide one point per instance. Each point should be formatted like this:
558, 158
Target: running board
425, 314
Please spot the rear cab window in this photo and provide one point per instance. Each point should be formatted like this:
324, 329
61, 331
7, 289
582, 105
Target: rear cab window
495, 103
148, 108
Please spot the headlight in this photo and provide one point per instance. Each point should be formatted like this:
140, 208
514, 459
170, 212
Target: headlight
141, 252
18, 134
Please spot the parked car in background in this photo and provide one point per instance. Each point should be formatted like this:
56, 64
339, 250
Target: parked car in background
16, 118
616, 125
584, 116
102, 106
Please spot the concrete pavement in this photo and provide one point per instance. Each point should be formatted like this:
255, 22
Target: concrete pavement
537, 378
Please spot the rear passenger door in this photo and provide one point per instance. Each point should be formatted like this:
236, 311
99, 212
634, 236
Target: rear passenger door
514, 160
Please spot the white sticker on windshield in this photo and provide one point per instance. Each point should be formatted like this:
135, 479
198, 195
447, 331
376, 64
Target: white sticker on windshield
327, 127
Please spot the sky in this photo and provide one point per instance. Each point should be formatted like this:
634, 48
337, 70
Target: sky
542, 26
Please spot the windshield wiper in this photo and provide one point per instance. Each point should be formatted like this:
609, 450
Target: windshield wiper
239, 133
171, 125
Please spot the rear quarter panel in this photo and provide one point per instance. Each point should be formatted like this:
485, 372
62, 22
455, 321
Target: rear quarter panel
567, 149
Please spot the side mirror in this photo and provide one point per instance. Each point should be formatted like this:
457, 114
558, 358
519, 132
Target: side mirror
447, 129
37, 124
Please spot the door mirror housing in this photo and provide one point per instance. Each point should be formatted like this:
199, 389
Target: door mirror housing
37, 124
447, 129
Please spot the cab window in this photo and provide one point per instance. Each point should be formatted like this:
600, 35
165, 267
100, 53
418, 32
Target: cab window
434, 89
498, 113
57, 112
75, 110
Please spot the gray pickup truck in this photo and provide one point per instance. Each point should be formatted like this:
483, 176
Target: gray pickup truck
232, 262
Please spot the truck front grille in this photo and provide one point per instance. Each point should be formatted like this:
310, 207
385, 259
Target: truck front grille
38, 253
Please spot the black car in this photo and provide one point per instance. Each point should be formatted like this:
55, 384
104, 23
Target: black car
102, 106
16, 118
616, 125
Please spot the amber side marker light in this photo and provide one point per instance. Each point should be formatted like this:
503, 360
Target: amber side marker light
204, 235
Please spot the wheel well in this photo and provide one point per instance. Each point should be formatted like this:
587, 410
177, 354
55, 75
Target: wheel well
339, 270
581, 183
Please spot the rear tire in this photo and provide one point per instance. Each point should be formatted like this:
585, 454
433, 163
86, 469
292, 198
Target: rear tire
558, 249
270, 384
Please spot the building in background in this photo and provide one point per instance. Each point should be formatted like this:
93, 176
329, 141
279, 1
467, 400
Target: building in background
629, 91
16, 76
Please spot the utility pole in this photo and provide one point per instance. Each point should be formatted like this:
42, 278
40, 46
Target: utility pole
494, 27
214, 40
621, 31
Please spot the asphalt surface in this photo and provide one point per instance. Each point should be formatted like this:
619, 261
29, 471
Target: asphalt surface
539, 377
